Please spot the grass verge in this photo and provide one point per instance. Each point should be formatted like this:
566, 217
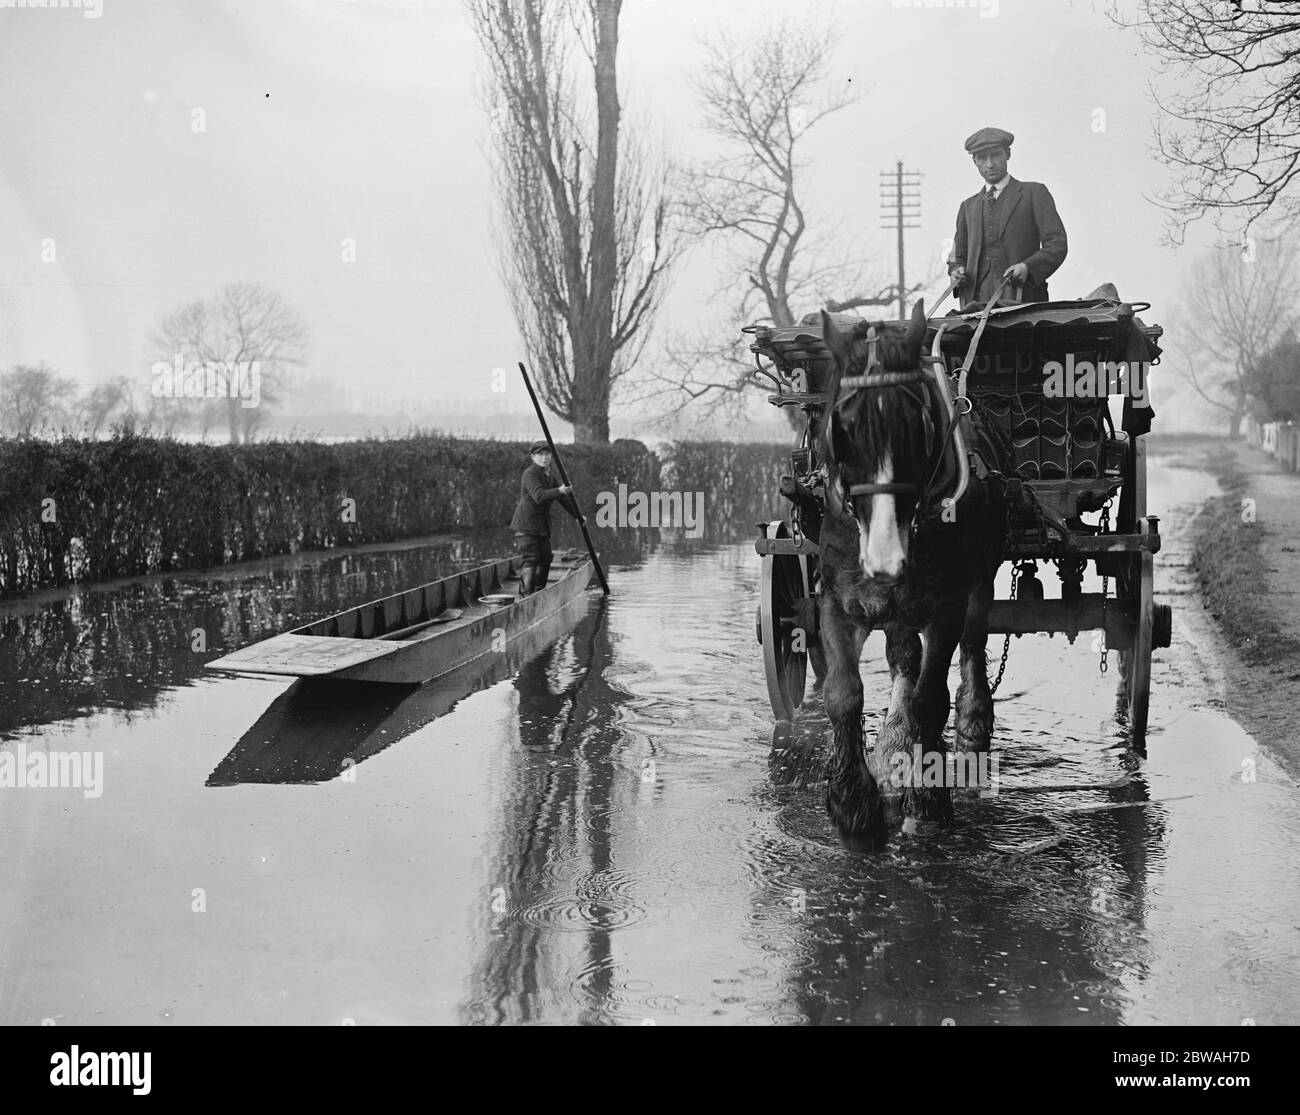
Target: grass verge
1232, 571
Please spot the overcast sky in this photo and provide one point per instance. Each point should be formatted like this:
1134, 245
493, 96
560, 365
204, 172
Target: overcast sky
328, 119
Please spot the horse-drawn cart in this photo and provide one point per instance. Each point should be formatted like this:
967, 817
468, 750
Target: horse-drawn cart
1040, 379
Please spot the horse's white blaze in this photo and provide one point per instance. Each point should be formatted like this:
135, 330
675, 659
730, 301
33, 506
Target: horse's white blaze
880, 547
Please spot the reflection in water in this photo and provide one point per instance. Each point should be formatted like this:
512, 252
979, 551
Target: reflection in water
1032, 905
69, 654
617, 834
558, 805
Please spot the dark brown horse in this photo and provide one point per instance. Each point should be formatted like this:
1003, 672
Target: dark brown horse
898, 554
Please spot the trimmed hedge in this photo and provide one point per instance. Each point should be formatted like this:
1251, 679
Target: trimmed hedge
136, 505
740, 482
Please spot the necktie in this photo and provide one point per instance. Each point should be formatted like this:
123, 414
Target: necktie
990, 196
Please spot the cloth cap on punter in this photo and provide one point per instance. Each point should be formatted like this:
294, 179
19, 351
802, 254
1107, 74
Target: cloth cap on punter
986, 138
539, 446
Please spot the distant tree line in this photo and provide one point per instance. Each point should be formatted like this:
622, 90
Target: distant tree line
221, 364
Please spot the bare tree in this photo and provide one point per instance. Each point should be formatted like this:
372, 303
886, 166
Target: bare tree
761, 99
1274, 381
242, 324
34, 398
1236, 307
107, 403
164, 417
1230, 130
583, 237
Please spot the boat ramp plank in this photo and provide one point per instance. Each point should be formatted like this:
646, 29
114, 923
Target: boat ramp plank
303, 655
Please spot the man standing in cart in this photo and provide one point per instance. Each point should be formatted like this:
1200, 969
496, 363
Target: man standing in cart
532, 521
1009, 230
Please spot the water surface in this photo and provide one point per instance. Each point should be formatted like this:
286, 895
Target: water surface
613, 831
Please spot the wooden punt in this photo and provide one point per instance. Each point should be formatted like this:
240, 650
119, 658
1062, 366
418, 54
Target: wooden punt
416, 635
314, 731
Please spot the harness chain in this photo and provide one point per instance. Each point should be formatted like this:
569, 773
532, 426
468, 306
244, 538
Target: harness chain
1006, 640
1105, 588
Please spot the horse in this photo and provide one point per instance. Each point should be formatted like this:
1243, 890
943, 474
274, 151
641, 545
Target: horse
897, 553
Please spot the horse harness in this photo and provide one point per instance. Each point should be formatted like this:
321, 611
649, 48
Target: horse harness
984, 450
876, 379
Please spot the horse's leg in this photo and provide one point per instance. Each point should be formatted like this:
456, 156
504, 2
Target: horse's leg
891, 760
852, 796
817, 659
931, 801
974, 721
903, 653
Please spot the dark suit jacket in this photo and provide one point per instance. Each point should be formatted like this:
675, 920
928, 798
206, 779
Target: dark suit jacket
1032, 234
536, 493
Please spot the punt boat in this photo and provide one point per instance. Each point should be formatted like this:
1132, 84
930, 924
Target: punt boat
314, 731
414, 636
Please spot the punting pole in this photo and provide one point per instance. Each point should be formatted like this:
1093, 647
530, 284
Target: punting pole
564, 478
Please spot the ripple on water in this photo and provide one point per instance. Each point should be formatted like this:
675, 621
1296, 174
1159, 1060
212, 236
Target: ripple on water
636, 1001
602, 900
1063, 904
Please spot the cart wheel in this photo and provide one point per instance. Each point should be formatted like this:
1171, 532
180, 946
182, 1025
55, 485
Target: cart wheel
784, 583
1135, 590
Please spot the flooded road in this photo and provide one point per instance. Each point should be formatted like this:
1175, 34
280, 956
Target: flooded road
613, 831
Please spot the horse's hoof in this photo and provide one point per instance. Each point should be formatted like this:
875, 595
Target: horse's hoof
920, 826
869, 843
976, 744
927, 804
860, 820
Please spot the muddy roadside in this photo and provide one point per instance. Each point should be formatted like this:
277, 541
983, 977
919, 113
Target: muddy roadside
1246, 560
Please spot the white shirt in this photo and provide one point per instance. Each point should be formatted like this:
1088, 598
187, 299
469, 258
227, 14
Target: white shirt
998, 187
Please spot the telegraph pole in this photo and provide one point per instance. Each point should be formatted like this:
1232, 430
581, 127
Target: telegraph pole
900, 206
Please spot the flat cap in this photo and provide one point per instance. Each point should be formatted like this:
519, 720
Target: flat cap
989, 137
541, 445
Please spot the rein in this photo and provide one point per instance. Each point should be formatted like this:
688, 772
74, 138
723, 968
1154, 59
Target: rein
849, 385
